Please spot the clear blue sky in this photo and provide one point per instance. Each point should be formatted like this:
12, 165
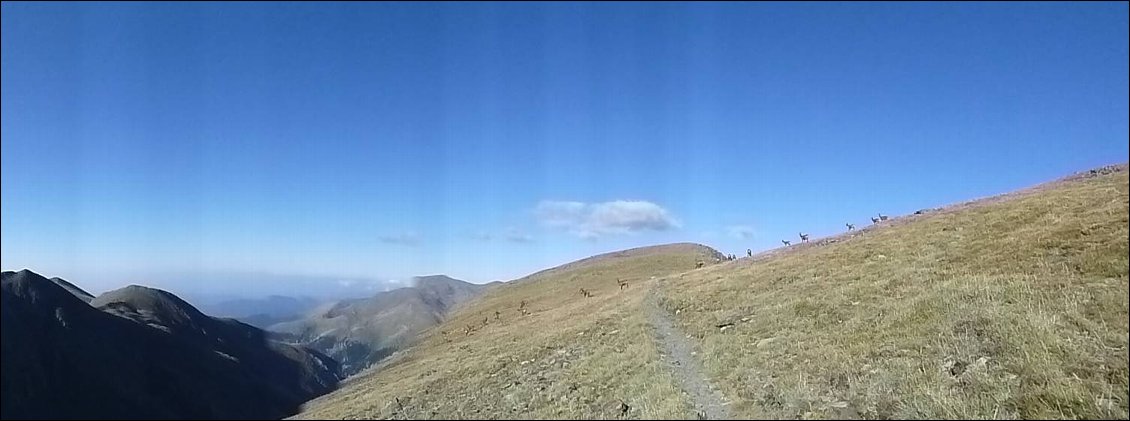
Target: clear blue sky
166, 143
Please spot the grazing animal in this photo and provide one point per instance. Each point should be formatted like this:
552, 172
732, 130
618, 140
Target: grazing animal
623, 284
485, 322
803, 237
882, 217
586, 293
699, 264
874, 220
786, 242
850, 227
497, 315
749, 253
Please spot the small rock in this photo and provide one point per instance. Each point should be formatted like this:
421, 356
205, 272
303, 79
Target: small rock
723, 328
839, 404
614, 332
766, 342
881, 256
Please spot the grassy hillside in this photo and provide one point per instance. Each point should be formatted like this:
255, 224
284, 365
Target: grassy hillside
571, 356
1006, 308
1009, 307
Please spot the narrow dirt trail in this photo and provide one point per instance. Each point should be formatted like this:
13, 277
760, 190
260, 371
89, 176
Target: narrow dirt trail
677, 353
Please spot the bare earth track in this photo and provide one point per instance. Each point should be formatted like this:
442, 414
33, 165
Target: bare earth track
677, 352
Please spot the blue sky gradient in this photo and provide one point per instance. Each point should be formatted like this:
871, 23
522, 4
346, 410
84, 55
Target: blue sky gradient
165, 143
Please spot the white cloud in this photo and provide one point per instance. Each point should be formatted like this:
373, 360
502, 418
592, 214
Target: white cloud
407, 239
593, 220
740, 231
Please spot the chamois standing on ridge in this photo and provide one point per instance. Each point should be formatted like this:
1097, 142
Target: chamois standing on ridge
786, 243
803, 237
522, 308
748, 252
623, 284
851, 227
882, 217
874, 220
586, 293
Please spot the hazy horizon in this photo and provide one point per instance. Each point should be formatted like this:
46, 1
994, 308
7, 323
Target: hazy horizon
306, 149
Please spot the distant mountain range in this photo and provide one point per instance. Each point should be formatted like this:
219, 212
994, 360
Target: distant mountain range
139, 352
359, 332
263, 312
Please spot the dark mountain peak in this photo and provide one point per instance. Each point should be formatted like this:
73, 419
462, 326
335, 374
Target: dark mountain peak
73, 289
146, 355
151, 306
38, 291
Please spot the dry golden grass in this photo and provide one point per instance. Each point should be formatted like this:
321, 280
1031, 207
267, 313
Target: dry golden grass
570, 357
1014, 308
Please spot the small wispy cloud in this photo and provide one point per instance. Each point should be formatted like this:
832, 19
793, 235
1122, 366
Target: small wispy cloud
515, 235
410, 239
510, 234
740, 231
594, 220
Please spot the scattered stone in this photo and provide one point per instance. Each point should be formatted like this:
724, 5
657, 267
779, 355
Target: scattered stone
618, 407
839, 404
955, 367
766, 342
723, 326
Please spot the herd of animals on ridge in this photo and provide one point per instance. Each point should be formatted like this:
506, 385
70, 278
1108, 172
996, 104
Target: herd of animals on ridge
623, 284
803, 239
